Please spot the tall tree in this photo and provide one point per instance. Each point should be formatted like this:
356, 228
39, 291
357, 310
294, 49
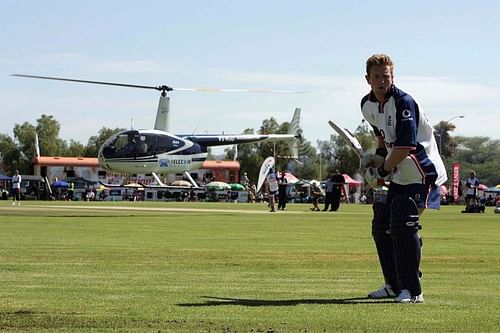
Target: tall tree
25, 136
446, 144
338, 155
47, 129
480, 154
74, 148
309, 160
249, 158
267, 148
48, 134
9, 154
252, 155
96, 141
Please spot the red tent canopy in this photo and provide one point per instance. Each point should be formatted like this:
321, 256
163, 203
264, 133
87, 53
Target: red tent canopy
291, 178
349, 180
482, 187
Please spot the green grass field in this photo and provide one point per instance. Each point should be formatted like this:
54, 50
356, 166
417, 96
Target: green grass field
208, 267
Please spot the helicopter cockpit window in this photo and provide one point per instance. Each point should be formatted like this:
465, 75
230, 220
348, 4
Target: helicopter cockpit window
132, 144
126, 144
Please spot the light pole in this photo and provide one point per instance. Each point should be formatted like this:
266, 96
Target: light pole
442, 130
320, 166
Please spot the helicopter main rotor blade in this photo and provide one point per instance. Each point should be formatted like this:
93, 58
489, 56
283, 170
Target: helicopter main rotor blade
162, 87
216, 90
94, 82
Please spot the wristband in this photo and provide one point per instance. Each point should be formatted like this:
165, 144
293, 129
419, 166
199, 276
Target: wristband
381, 151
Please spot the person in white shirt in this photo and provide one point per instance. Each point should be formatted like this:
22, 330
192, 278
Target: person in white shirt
471, 184
16, 188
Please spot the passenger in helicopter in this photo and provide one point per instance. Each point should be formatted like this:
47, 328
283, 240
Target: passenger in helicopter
142, 146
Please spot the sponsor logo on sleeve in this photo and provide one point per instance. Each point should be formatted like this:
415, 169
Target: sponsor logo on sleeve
406, 115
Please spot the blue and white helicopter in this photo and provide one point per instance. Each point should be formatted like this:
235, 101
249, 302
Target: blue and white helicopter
158, 151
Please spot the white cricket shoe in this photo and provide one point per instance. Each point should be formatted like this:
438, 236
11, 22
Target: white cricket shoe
384, 292
405, 297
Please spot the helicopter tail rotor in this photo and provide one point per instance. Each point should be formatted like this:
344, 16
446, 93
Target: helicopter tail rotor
297, 132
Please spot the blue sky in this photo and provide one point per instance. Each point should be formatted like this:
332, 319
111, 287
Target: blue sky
446, 55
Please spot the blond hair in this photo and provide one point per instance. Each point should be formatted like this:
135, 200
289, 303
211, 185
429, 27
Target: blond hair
378, 59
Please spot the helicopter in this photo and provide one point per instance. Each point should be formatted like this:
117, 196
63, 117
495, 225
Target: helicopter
158, 151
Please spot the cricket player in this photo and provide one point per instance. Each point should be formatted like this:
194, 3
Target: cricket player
406, 150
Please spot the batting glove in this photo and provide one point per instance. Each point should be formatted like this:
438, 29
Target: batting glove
376, 160
373, 178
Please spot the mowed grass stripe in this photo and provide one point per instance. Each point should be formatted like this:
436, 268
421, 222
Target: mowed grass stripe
125, 269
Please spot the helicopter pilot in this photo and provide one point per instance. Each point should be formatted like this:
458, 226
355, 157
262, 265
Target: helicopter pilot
136, 145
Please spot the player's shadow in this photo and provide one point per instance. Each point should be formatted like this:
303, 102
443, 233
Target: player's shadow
223, 301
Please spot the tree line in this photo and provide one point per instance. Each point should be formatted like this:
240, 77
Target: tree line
17, 153
480, 154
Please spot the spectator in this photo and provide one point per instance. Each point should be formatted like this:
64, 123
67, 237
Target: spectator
282, 185
472, 183
272, 182
316, 194
338, 188
16, 188
245, 181
329, 193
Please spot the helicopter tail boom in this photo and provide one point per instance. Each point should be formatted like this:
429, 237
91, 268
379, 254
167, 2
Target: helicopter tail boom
209, 140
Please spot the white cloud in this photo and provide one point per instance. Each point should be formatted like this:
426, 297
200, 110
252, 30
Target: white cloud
122, 66
338, 98
71, 62
327, 98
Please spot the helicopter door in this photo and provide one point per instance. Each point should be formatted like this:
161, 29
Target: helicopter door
166, 143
